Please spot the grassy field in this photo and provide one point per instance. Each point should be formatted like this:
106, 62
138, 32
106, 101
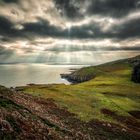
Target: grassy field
111, 89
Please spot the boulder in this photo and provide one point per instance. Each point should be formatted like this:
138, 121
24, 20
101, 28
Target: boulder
136, 73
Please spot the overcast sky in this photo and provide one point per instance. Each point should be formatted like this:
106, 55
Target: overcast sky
68, 31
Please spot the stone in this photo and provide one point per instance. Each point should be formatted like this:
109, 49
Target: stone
136, 73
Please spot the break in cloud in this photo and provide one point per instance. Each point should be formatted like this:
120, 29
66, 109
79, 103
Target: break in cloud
68, 31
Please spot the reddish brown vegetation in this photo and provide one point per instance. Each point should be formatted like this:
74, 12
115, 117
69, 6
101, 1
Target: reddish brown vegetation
26, 117
131, 123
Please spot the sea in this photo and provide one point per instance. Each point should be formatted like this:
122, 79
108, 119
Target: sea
13, 75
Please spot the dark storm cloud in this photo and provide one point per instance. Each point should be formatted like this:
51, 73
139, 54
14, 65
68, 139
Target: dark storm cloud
115, 8
39, 28
67, 26
7, 28
129, 29
68, 8
5, 39
10, 1
42, 28
125, 30
92, 30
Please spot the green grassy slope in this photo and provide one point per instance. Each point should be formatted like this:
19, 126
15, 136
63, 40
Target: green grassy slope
111, 89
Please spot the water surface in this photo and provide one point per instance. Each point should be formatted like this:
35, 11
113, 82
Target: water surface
22, 74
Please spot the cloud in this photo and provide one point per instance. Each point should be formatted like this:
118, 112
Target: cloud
129, 29
42, 28
5, 53
80, 9
69, 8
10, 1
117, 8
5, 26
8, 30
91, 30
68, 25
74, 48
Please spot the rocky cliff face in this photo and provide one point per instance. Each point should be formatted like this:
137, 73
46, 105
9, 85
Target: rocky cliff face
73, 78
80, 75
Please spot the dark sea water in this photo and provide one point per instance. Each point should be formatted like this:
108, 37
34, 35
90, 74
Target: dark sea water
22, 74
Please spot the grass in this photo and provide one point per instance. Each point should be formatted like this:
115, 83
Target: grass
111, 89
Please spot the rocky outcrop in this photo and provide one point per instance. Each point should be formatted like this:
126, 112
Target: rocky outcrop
136, 73
77, 78
134, 61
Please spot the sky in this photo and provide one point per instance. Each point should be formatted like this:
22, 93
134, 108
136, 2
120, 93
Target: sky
68, 31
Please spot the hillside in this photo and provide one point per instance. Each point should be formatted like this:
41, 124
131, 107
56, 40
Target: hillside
107, 107
88, 73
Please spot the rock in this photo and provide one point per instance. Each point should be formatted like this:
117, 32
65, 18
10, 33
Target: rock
75, 78
104, 124
136, 73
124, 130
5, 126
109, 125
